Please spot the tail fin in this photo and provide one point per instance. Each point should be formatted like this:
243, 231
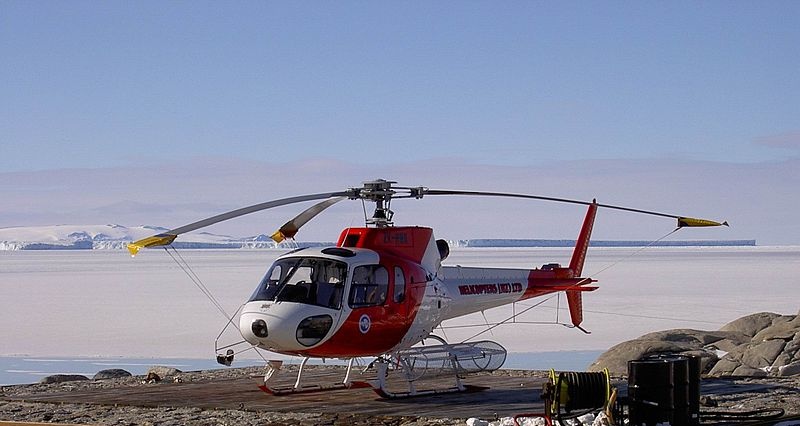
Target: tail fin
582, 244
575, 303
574, 299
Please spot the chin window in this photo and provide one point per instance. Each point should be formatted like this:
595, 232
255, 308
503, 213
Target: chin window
313, 329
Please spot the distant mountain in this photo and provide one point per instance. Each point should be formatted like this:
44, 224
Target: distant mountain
599, 243
116, 237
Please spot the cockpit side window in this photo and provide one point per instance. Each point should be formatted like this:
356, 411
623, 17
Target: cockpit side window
370, 285
312, 281
399, 285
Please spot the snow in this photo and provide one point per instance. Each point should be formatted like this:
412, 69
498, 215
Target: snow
114, 237
71, 236
590, 419
103, 303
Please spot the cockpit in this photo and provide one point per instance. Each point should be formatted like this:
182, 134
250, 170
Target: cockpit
320, 281
307, 280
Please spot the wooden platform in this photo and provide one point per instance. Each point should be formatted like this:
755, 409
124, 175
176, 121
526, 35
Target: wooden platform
507, 396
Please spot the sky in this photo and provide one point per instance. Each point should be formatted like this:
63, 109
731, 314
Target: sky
162, 113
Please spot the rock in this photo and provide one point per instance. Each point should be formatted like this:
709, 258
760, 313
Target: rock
61, 378
707, 401
724, 367
696, 337
783, 319
111, 373
745, 370
725, 345
754, 345
794, 345
751, 324
616, 359
792, 369
782, 359
162, 371
785, 331
762, 354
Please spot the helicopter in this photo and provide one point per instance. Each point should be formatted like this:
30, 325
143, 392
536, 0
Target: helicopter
382, 289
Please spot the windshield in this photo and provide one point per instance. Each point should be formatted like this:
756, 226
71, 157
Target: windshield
308, 280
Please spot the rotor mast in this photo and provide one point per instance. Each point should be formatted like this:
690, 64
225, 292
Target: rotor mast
380, 192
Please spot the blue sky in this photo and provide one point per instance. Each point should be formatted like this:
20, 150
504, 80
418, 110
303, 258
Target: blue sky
394, 87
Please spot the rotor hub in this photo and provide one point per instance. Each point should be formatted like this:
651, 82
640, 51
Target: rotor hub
380, 192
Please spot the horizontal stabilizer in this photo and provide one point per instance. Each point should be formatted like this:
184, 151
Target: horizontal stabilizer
570, 287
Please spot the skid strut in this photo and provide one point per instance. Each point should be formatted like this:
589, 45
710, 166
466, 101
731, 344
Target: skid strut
275, 366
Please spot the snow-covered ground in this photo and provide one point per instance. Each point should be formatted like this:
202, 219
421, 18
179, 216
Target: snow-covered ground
103, 302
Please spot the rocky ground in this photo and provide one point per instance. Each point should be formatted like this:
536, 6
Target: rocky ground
783, 392
22, 410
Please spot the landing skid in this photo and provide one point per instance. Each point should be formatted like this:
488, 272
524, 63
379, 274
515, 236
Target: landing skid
289, 390
385, 394
275, 366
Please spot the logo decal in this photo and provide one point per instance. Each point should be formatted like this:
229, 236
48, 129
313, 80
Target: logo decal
490, 288
364, 323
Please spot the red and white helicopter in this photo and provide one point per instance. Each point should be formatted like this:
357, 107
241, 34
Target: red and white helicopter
382, 289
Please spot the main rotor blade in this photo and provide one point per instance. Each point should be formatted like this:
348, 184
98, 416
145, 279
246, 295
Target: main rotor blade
290, 228
682, 220
169, 236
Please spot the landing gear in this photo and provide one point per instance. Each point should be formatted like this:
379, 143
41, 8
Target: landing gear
457, 360
274, 366
430, 364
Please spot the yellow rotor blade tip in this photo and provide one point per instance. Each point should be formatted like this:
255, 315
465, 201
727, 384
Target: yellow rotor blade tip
155, 240
278, 236
694, 222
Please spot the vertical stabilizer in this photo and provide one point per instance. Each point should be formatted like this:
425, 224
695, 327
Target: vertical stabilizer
582, 244
574, 298
575, 303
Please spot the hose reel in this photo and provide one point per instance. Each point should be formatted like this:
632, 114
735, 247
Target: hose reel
576, 393
572, 394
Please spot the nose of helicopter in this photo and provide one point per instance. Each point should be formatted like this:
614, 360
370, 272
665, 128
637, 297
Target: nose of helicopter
285, 327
